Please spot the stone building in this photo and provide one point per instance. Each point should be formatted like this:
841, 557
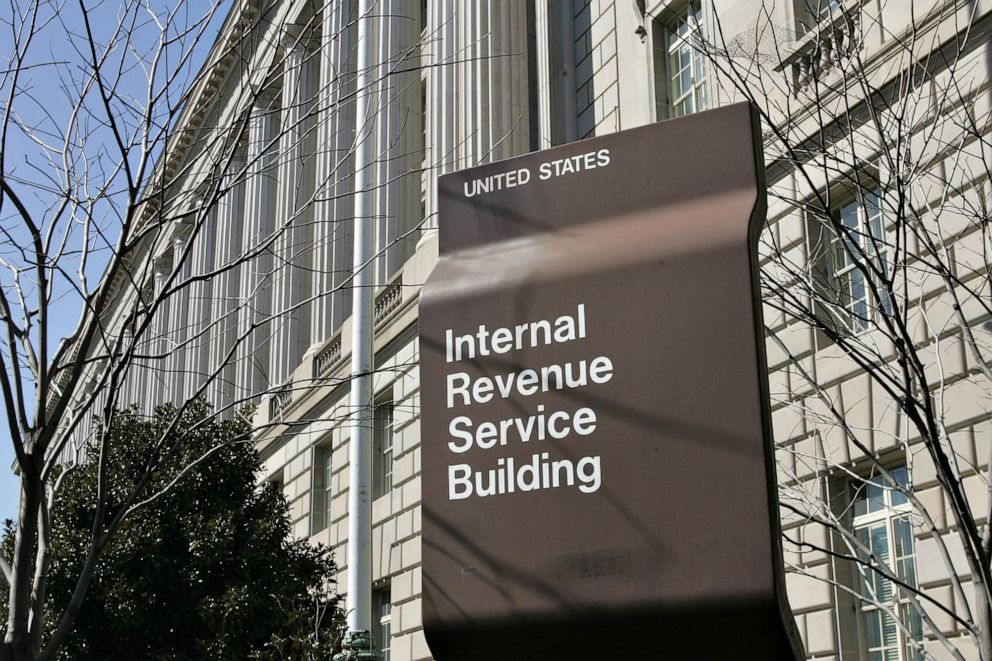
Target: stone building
459, 84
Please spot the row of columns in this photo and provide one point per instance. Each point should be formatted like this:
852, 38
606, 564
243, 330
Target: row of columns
285, 221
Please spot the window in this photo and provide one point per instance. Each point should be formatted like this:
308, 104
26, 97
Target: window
382, 448
812, 13
320, 490
680, 72
857, 251
824, 9
382, 621
276, 479
883, 524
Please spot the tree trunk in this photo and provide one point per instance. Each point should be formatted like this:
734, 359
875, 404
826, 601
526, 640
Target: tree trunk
17, 643
983, 615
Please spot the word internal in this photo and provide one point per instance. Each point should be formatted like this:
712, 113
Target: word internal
513, 338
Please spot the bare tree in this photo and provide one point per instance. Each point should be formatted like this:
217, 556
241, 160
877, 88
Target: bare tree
875, 278
129, 180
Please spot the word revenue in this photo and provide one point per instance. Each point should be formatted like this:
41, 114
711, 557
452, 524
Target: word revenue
463, 389
541, 472
542, 332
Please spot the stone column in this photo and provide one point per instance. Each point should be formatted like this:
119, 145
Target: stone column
292, 275
226, 293
334, 205
477, 87
128, 394
255, 282
157, 391
144, 345
493, 97
442, 75
399, 138
200, 291
179, 319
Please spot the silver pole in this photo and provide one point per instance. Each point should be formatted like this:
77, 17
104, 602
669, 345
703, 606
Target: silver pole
359, 597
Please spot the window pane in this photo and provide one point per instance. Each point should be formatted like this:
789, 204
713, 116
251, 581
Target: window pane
840, 256
849, 216
382, 621
900, 475
903, 533
880, 548
673, 71
327, 485
873, 243
382, 449
890, 636
860, 504
320, 489
914, 623
873, 629
875, 495
898, 498
907, 571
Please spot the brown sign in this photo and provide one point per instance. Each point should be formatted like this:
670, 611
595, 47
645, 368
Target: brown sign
598, 479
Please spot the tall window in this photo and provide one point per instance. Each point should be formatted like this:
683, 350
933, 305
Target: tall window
824, 9
382, 448
382, 608
810, 13
859, 260
883, 524
320, 490
680, 71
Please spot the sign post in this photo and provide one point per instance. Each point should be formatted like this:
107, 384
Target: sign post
598, 476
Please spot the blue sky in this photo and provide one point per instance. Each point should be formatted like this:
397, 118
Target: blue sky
45, 97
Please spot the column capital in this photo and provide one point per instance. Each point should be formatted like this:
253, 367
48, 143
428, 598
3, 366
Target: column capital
294, 37
264, 99
162, 264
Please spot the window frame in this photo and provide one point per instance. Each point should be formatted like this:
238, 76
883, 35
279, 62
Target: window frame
893, 508
382, 445
812, 13
321, 482
825, 247
669, 39
382, 622
826, 9
865, 238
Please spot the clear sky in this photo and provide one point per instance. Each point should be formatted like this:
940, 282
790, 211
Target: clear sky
46, 94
